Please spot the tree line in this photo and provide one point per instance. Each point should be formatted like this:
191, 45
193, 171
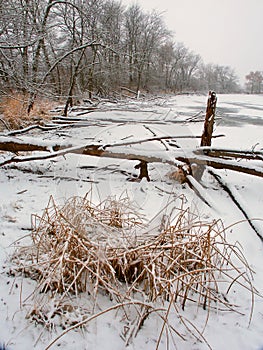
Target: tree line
72, 48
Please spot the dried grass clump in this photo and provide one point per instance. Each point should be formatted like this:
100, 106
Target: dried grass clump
82, 247
71, 243
178, 175
14, 110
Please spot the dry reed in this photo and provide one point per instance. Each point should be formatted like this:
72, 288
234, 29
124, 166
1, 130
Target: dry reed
14, 110
82, 247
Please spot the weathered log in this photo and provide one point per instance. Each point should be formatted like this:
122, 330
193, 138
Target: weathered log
143, 166
209, 119
91, 150
208, 129
175, 157
223, 164
12, 144
230, 153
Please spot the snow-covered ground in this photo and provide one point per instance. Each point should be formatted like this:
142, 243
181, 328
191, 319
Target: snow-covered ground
26, 188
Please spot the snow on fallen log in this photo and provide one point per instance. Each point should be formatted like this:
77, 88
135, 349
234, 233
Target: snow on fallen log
27, 144
230, 153
219, 163
119, 150
96, 150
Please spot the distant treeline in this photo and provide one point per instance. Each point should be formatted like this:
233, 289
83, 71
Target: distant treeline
76, 48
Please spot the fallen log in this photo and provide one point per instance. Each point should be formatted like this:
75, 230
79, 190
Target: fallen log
178, 157
222, 164
175, 157
13, 144
229, 153
91, 150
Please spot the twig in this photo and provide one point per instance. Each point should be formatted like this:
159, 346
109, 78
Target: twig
155, 135
5, 124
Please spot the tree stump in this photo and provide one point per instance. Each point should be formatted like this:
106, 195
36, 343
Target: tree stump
209, 119
208, 129
143, 166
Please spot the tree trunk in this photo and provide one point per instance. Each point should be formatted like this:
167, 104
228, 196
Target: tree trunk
208, 129
209, 120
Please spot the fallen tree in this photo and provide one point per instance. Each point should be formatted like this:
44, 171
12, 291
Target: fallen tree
225, 159
190, 162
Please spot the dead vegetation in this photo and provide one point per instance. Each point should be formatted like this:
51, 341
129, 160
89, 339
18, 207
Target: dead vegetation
82, 248
14, 111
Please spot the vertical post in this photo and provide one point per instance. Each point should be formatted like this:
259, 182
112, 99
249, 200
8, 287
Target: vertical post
143, 166
209, 119
206, 139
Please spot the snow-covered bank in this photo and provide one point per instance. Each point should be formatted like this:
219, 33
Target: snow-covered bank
26, 188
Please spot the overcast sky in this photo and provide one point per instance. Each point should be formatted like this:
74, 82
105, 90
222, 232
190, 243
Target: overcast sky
225, 32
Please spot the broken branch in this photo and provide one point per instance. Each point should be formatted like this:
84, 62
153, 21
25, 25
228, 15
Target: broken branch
237, 203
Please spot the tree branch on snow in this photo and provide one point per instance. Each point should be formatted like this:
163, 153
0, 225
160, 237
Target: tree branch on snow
155, 135
233, 197
29, 128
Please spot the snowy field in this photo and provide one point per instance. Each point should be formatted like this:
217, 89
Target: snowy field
26, 188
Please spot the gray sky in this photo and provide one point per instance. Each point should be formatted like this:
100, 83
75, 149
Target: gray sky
225, 32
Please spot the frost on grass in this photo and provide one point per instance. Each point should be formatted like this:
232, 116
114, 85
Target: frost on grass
81, 248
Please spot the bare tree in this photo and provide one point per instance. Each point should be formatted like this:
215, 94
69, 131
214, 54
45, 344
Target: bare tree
254, 82
75, 48
223, 79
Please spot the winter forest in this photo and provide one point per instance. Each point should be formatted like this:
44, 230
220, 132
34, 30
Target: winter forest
130, 185
79, 48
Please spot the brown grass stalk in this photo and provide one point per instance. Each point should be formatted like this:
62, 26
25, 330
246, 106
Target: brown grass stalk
81, 247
